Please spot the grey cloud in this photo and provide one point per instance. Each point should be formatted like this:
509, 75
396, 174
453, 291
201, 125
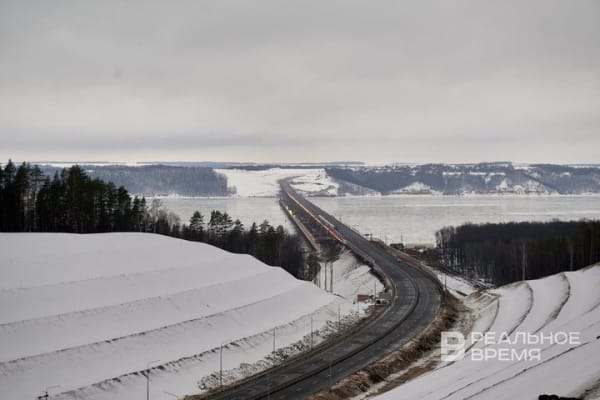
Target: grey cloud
155, 142
318, 80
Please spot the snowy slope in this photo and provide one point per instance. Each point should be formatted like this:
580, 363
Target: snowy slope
88, 312
350, 277
567, 302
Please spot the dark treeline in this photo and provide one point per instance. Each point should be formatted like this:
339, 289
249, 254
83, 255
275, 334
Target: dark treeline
480, 178
156, 180
71, 201
151, 180
509, 252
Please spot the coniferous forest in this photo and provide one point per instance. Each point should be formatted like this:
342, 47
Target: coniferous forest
71, 201
508, 252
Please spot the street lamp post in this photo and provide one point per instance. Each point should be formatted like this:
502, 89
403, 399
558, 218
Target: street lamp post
221, 361
221, 365
312, 328
311, 332
148, 377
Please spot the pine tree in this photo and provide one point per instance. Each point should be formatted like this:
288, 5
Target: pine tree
196, 227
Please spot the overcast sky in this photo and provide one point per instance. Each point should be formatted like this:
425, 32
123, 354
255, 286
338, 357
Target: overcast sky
378, 81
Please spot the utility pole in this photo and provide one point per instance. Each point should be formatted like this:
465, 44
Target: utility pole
221, 363
148, 377
331, 276
339, 319
311, 331
274, 340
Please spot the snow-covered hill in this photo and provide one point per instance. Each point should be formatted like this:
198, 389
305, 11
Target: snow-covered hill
88, 312
482, 178
564, 303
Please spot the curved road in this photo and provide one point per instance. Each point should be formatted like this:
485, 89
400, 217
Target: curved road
415, 304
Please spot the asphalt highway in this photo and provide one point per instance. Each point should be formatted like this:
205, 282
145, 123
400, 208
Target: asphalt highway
414, 305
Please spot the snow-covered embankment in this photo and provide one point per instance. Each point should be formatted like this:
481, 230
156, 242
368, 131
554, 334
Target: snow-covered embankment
88, 312
566, 303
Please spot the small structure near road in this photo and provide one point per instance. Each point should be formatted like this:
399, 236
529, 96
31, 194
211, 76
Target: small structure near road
381, 298
362, 298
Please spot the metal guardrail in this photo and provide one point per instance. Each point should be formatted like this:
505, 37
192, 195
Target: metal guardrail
339, 359
334, 234
309, 236
413, 262
389, 284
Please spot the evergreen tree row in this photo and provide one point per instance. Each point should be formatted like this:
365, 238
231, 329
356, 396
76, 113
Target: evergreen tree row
73, 202
508, 252
69, 202
271, 245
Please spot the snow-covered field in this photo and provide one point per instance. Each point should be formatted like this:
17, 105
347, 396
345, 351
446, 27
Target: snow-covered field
264, 183
88, 312
567, 302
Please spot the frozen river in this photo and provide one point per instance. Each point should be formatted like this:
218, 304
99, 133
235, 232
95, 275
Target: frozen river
413, 219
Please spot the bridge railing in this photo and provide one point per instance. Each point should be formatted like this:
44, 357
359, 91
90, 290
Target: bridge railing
326, 226
413, 262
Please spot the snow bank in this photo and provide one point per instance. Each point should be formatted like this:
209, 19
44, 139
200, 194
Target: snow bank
458, 286
88, 312
567, 302
350, 277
